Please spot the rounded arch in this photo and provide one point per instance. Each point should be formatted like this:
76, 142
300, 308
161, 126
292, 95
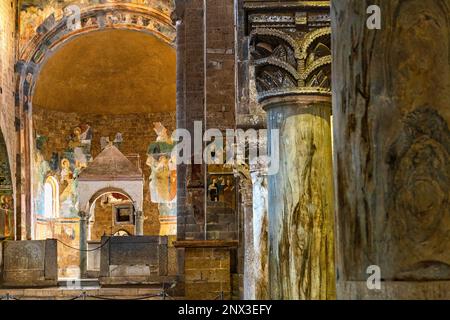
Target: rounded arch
281, 36
95, 196
311, 38
95, 17
92, 18
51, 197
53, 33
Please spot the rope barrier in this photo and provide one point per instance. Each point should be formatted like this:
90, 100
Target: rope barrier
8, 297
84, 296
85, 250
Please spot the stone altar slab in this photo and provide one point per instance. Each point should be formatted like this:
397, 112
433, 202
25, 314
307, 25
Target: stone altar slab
135, 260
30, 263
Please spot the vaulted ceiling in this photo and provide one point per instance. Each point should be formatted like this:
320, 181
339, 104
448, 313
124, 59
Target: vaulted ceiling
109, 72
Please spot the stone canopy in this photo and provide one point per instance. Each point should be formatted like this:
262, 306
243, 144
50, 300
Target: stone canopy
109, 165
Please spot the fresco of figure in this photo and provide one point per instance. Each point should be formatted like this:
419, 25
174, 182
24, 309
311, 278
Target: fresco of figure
163, 176
80, 145
104, 142
41, 170
118, 139
69, 197
6, 213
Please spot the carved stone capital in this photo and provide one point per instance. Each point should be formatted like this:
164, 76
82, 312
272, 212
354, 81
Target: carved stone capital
84, 215
291, 51
139, 214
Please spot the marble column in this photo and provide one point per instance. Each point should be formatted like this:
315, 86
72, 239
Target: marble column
301, 221
84, 220
246, 250
139, 223
260, 235
391, 96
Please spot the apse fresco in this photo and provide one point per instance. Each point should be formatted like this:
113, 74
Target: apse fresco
64, 167
163, 176
36, 12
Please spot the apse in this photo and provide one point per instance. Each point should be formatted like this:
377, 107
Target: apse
98, 90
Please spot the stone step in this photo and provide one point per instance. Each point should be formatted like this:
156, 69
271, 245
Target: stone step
83, 283
88, 293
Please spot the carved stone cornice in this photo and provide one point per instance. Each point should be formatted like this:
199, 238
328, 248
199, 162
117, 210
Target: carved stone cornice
293, 4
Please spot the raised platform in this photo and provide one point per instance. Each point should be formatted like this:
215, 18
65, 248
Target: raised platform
86, 292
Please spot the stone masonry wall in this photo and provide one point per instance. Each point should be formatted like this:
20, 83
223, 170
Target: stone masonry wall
206, 93
207, 273
7, 80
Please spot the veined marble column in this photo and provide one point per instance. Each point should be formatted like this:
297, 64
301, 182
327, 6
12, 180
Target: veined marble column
301, 256
84, 220
292, 75
260, 235
391, 113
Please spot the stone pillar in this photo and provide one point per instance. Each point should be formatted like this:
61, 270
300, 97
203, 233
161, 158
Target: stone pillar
246, 249
301, 199
391, 93
207, 268
84, 220
139, 223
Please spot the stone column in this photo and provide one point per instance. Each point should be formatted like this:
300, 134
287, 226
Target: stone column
391, 96
139, 223
260, 265
246, 250
84, 220
292, 62
301, 199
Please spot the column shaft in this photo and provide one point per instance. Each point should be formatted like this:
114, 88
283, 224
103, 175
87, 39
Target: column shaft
84, 218
301, 248
139, 223
391, 93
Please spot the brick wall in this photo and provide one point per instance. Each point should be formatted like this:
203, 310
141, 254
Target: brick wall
206, 93
220, 61
207, 273
104, 222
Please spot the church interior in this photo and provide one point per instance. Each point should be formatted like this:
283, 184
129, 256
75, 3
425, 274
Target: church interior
116, 179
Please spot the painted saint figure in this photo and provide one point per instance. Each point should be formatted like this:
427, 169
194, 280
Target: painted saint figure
163, 171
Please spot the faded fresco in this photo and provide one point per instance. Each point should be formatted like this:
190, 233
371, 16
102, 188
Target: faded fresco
65, 168
163, 176
221, 188
6, 195
34, 13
